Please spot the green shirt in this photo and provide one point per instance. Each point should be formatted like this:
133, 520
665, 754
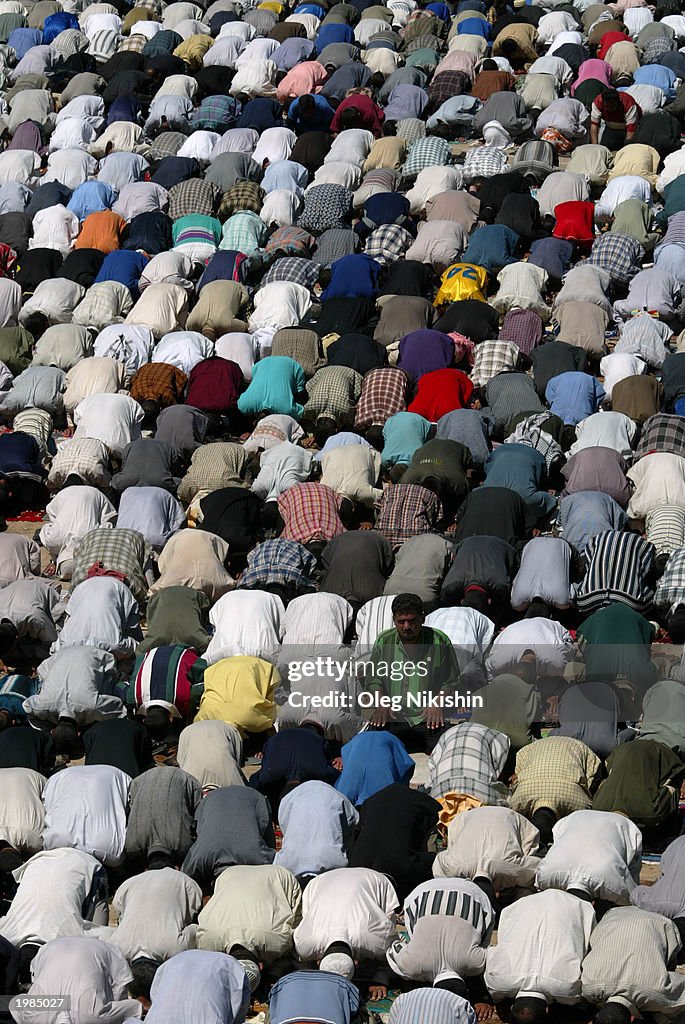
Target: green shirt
427, 667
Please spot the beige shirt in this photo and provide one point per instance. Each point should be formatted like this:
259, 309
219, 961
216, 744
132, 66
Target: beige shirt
96, 375
22, 815
352, 471
494, 842
194, 558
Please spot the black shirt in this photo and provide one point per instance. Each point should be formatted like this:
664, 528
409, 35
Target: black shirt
121, 743
488, 562
356, 566
554, 358
21, 746
493, 512
234, 514
474, 319
358, 351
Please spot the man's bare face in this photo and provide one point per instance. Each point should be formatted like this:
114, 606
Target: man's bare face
408, 626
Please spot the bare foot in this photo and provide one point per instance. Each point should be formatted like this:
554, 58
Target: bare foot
484, 1011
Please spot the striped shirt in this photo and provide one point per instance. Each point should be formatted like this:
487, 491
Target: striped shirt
665, 528
453, 897
670, 591
619, 565
431, 1004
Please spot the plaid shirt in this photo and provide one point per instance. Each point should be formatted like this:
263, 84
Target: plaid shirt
524, 327
216, 114
70, 42
326, 206
105, 303
428, 152
160, 382
193, 196
279, 561
163, 42
662, 433
123, 551
244, 232
295, 270
135, 43
166, 144
411, 129
291, 241
241, 197
333, 391
299, 344
216, 465
620, 255
555, 772
670, 590
310, 513
448, 84
469, 758
384, 392
407, 510
484, 162
388, 243
491, 358
87, 457
619, 565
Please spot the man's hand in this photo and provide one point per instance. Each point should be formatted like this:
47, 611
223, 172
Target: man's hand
433, 717
377, 992
337, 764
379, 718
484, 1011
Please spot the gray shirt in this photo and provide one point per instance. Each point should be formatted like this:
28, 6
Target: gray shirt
233, 827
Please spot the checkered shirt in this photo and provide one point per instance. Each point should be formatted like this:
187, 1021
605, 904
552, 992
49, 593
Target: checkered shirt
662, 433
105, 303
261, 21
388, 243
150, 5
670, 590
484, 162
215, 465
524, 327
70, 42
530, 433
384, 392
163, 42
428, 152
215, 114
194, 196
491, 358
293, 269
656, 48
620, 255
243, 196
333, 391
555, 772
244, 232
279, 561
123, 551
469, 758
160, 382
310, 513
334, 244
326, 206
291, 241
411, 129
448, 84
135, 43
407, 510
619, 565
299, 344
166, 144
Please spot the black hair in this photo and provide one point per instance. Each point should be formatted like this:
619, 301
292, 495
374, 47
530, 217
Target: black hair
66, 736
405, 604
455, 985
151, 410
528, 1010
377, 80
374, 435
478, 600
613, 1013
8, 636
36, 324
306, 105
489, 65
73, 480
349, 118
325, 427
676, 625
159, 859
157, 722
5, 719
143, 971
10, 859
538, 609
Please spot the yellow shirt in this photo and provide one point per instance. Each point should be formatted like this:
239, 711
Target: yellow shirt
192, 51
462, 281
240, 691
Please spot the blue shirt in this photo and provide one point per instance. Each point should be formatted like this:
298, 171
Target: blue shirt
552, 254
403, 434
91, 197
491, 247
573, 395
521, 469
291, 52
474, 27
23, 39
585, 514
657, 75
124, 266
286, 174
56, 23
328, 34
320, 121
275, 383
353, 277
313, 995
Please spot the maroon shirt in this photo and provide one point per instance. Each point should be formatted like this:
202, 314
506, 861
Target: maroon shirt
214, 385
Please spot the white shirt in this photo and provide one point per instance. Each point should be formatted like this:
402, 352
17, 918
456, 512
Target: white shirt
112, 419
177, 900
494, 842
245, 622
352, 905
281, 304
596, 852
55, 228
552, 644
351, 146
316, 619
674, 166
171, 267
605, 430
22, 817
659, 481
199, 146
470, 631
92, 975
10, 302
53, 888
274, 144
130, 344
541, 942
152, 511
85, 809
101, 612
18, 165
431, 181
235, 140
238, 348
56, 297
72, 133
72, 514
617, 366
183, 349
71, 167
626, 186
373, 618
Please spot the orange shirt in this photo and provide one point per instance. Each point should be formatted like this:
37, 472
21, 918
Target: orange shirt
101, 230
